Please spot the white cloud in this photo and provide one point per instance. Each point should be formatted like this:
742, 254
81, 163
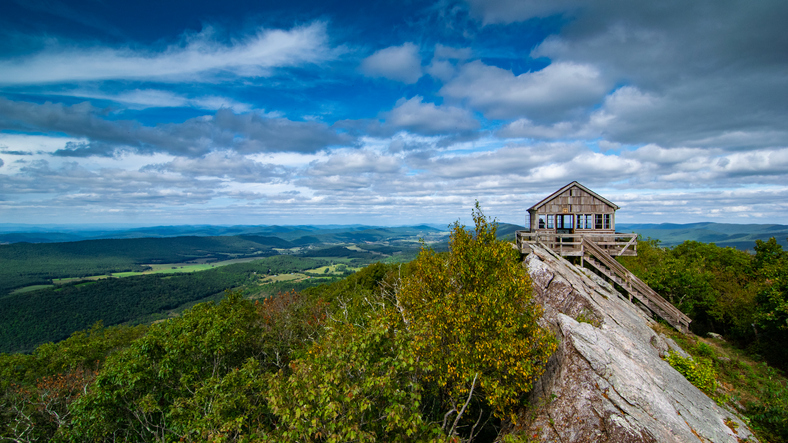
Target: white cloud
428, 119
199, 58
524, 128
399, 63
99, 136
153, 98
550, 93
226, 165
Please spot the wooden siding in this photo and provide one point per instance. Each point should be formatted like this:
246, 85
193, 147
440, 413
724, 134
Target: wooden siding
573, 200
579, 202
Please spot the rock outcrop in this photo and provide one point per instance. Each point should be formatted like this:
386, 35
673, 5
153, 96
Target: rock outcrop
607, 381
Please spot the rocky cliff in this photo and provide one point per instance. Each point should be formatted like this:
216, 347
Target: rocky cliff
607, 381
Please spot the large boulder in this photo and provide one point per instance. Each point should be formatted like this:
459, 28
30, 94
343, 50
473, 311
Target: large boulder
607, 381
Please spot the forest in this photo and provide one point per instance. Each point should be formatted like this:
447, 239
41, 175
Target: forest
26, 264
52, 314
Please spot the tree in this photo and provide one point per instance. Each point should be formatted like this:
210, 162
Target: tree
473, 322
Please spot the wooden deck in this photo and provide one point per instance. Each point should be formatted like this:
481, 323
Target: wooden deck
571, 245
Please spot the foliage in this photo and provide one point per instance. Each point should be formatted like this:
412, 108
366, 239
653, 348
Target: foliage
195, 378
772, 301
770, 413
471, 316
357, 384
37, 390
698, 371
418, 352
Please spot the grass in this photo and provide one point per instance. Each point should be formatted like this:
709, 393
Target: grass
745, 383
166, 268
297, 276
30, 288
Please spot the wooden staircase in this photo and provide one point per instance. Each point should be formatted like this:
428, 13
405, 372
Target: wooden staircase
634, 287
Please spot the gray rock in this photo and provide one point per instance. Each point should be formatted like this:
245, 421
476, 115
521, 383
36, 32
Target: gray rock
608, 383
715, 335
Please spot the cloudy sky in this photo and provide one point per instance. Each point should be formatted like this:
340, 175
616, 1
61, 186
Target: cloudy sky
393, 113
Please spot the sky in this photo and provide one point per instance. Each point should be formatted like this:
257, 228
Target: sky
390, 113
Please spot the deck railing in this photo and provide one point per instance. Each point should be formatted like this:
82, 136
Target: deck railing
614, 243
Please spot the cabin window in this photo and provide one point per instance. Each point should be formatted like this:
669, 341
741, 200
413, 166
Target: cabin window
607, 221
549, 221
566, 221
589, 221
598, 220
580, 220
542, 221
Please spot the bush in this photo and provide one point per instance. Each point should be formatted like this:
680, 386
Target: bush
700, 372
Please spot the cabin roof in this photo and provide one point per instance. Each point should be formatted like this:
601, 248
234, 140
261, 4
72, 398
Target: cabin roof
560, 191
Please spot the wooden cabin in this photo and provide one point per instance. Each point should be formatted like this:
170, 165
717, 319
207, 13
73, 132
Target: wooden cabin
572, 214
573, 209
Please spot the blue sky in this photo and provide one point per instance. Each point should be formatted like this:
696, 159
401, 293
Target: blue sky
258, 112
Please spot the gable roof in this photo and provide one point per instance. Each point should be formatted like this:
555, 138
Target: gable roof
560, 191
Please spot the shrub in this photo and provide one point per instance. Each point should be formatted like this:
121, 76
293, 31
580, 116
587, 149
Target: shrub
700, 372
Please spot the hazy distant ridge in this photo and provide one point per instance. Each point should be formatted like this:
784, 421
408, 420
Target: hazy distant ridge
722, 234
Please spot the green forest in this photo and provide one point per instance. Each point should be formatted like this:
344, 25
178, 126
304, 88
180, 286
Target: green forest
443, 348
26, 264
52, 314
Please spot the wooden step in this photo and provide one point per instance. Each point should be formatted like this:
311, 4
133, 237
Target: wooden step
607, 266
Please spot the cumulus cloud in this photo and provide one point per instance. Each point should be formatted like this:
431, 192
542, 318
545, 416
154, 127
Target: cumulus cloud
524, 128
710, 167
225, 165
244, 133
198, 57
428, 119
349, 171
73, 182
555, 91
399, 63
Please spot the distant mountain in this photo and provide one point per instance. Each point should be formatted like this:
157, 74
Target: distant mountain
739, 236
14, 233
506, 231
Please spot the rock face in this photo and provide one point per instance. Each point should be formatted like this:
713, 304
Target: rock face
607, 382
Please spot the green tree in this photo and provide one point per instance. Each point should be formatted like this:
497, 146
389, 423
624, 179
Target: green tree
194, 378
772, 308
473, 322
358, 384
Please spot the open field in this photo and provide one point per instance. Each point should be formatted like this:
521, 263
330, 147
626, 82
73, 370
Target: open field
166, 268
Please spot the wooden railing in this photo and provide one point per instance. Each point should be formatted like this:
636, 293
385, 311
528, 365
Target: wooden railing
615, 271
614, 243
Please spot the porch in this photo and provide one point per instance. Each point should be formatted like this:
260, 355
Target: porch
571, 244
